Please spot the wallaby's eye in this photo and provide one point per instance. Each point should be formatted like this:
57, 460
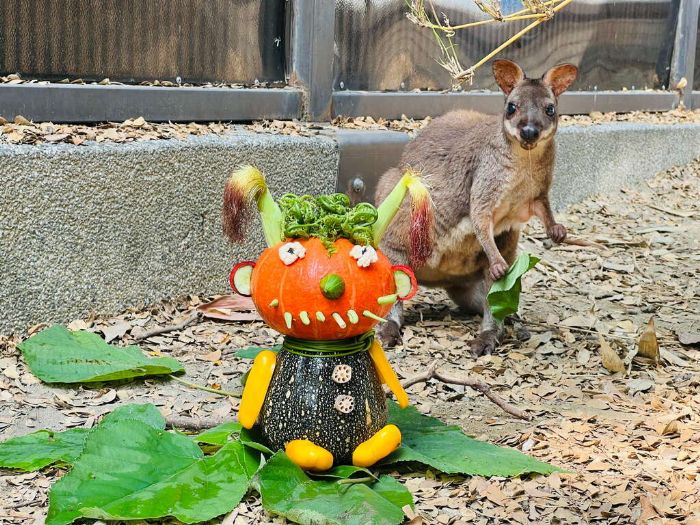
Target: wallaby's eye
510, 108
550, 110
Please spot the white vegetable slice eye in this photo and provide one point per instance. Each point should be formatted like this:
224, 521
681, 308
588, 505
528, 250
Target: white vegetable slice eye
365, 255
290, 252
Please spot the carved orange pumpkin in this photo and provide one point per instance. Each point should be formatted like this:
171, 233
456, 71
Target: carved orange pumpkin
303, 291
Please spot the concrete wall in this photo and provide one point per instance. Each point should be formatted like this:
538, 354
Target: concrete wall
108, 226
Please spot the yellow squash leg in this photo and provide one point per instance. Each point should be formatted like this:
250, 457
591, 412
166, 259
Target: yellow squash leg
256, 388
387, 374
377, 447
308, 455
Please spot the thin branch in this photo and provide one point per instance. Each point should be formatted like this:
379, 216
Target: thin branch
204, 388
188, 423
577, 241
169, 328
480, 386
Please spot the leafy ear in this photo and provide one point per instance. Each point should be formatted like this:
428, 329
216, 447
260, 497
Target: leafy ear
560, 77
507, 74
247, 186
421, 227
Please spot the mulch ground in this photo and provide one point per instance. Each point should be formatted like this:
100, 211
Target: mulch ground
630, 440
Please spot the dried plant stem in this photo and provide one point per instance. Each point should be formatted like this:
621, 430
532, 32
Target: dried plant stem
170, 328
204, 388
480, 386
189, 423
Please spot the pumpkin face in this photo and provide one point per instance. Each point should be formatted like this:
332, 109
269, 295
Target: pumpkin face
303, 291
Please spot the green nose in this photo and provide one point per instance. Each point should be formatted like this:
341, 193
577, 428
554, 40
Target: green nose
332, 286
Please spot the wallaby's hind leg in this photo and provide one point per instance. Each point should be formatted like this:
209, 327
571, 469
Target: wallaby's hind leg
389, 333
491, 331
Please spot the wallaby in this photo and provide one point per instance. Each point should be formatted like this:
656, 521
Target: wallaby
487, 174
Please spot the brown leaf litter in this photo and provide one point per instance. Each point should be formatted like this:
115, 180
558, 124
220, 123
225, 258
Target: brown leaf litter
629, 439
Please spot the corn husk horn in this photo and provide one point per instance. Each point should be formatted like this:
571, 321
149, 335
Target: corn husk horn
420, 231
245, 187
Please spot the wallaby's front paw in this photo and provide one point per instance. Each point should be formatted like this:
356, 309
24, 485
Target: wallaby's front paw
557, 233
389, 334
498, 269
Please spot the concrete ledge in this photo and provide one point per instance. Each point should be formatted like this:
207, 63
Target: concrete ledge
590, 159
108, 226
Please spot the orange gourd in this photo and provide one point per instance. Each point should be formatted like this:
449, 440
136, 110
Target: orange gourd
295, 289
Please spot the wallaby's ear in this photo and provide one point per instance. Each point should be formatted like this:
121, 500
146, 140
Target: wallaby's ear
560, 77
507, 74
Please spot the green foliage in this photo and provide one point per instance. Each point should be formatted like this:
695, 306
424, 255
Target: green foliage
251, 352
42, 448
287, 491
504, 295
129, 470
446, 448
58, 355
328, 217
220, 434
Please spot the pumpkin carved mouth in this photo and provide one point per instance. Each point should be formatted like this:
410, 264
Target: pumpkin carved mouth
351, 318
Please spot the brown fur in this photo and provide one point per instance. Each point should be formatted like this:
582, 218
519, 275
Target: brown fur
487, 176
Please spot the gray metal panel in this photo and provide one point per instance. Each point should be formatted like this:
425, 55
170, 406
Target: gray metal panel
420, 105
87, 103
684, 48
364, 156
133, 40
615, 43
695, 100
312, 55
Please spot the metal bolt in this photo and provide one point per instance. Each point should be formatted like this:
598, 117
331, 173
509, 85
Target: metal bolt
358, 185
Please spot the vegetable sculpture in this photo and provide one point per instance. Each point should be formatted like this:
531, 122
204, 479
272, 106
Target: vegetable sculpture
323, 284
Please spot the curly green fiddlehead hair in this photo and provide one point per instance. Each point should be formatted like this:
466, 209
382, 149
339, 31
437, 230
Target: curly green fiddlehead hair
328, 217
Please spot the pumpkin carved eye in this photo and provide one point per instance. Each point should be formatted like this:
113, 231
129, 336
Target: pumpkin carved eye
365, 255
290, 252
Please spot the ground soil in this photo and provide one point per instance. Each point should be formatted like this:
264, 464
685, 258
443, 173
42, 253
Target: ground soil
631, 439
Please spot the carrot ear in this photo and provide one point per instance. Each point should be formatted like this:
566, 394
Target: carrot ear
507, 74
244, 188
560, 77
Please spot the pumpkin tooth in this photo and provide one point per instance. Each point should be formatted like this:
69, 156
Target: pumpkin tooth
274, 303
320, 317
387, 299
374, 316
339, 320
352, 316
304, 316
288, 319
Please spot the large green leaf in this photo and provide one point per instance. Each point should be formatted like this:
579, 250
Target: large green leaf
145, 413
58, 355
504, 295
220, 434
130, 470
446, 448
45, 447
42, 448
287, 491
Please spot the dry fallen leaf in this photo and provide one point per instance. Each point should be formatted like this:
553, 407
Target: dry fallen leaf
648, 345
611, 361
230, 308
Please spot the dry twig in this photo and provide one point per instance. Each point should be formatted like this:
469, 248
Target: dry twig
170, 328
480, 386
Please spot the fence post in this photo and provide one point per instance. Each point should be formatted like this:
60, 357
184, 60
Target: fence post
683, 60
312, 54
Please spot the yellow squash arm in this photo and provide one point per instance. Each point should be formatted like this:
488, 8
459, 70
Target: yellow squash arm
387, 374
256, 388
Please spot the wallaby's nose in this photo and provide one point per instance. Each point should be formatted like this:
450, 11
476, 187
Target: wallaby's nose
529, 133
